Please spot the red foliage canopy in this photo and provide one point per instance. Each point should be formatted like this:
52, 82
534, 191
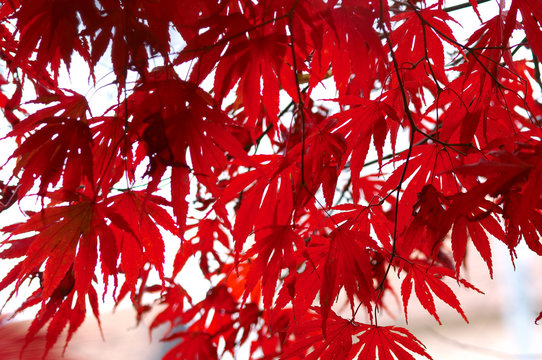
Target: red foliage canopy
292, 202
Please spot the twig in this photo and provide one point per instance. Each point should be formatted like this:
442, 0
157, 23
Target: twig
537, 77
462, 6
301, 105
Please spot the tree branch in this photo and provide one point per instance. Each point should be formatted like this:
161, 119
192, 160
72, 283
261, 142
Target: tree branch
462, 6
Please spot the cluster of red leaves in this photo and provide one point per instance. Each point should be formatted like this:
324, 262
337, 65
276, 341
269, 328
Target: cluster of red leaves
274, 198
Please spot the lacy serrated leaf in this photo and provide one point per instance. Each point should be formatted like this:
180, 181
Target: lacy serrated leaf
56, 147
427, 280
347, 266
388, 343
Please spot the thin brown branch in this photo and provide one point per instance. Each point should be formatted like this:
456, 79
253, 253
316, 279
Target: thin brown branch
463, 6
537, 76
301, 105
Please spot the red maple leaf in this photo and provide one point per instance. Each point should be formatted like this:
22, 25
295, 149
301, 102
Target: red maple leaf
57, 144
347, 266
427, 279
62, 20
388, 342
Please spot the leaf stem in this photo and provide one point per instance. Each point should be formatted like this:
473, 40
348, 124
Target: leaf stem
301, 105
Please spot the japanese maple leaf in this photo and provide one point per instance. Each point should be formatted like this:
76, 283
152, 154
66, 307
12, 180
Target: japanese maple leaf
492, 41
173, 118
137, 232
473, 226
57, 144
68, 237
115, 153
323, 162
365, 219
173, 298
531, 14
349, 46
218, 315
227, 323
347, 266
132, 28
427, 279
363, 121
419, 37
312, 343
252, 53
273, 250
428, 226
374, 342
310, 264
63, 309
481, 75
513, 176
63, 241
462, 122
211, 232
429, 165
389, 342
277, 188
51, 29
214, 315
268, 195
193, 346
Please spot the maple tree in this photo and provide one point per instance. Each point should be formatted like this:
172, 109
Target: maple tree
293, 204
